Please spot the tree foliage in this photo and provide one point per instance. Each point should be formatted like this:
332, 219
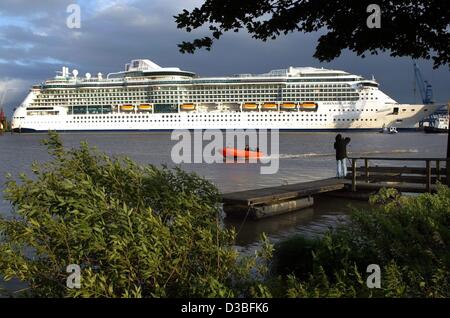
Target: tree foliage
418, 29
135, 231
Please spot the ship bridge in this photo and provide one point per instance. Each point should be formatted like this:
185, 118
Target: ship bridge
147, 68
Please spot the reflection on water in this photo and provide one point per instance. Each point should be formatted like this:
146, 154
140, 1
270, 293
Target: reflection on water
327, 213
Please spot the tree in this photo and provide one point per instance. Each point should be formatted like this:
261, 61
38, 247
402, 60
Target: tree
133, 231
415, 28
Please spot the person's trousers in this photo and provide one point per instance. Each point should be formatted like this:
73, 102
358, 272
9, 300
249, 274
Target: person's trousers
341, 168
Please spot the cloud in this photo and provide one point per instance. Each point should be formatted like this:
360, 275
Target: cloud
26, 8
35, 42
12, 89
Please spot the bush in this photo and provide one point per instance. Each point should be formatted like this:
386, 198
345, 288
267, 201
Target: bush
135, 231
294, 256
408, 237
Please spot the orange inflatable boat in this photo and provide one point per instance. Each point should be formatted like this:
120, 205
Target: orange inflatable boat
237, 153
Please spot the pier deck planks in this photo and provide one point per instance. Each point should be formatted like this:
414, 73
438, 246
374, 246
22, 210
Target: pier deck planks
284, 192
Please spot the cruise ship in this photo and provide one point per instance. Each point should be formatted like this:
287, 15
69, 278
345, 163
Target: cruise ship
146, 97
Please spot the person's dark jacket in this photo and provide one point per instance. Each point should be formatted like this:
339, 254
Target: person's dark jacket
341, 148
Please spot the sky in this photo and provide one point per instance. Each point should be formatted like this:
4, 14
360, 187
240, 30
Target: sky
35, 42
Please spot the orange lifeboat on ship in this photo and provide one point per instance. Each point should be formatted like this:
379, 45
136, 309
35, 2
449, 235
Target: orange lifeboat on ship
127, 107
288, 106
309, 106
188, 107
238, 153
250, 106
270, 106
145, 107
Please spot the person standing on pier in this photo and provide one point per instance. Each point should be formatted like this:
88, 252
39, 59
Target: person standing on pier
340, 145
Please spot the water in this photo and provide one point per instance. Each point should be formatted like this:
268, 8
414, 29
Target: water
303, 157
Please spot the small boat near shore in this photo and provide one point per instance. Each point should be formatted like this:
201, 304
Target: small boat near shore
239, 153
389, 130
435, 130
437, 124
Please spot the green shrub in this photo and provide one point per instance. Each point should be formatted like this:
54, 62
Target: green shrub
135, 231
294, 256
408, 237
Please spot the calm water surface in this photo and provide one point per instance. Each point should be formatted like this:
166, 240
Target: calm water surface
303, 157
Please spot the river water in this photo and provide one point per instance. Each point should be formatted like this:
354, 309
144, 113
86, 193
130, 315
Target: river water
302, 157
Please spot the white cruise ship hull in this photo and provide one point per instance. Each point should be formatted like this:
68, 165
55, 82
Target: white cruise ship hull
325, 119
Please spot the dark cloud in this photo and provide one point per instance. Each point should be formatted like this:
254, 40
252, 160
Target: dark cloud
26, 8
34, 38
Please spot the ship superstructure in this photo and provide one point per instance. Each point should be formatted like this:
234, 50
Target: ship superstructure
146, 96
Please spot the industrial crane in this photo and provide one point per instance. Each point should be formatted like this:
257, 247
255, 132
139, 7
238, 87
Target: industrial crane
425, 88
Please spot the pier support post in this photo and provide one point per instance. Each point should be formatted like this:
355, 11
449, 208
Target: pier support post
428, 176
438, 170
366, 165
354, 175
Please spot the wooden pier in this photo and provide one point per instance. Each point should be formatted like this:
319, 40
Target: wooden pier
261, 203
361, 182
421, 177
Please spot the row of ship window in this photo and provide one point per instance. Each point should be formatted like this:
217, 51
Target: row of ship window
234, 100
189, 117
200, 93
291, 114
261, 88
212, 97
200, 116
240, 82
216, 120
266, 114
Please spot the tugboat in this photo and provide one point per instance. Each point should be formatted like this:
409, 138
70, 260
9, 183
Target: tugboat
392, 130
436, 124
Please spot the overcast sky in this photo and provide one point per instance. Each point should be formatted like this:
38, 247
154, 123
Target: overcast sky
35, 42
